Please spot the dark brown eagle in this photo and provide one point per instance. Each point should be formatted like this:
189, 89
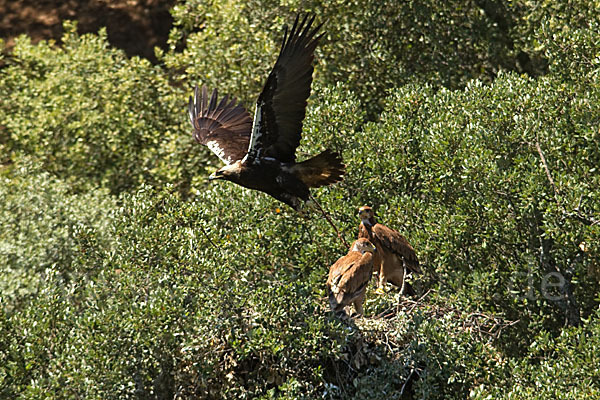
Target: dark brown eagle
394, 256
260, 154
349, 277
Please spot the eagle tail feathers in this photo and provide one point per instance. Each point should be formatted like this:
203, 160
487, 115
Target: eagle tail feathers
320, 170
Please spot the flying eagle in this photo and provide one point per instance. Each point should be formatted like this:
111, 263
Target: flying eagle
349, 277
395, 255
260, 154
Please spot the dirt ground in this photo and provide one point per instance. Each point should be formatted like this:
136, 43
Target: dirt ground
136, 26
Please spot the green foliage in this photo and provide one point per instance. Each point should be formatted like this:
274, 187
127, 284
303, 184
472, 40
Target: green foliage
436, 349
567, 34
42, 225
372, 45
91, 116
563, 367
168, 311
125, 275
469, 171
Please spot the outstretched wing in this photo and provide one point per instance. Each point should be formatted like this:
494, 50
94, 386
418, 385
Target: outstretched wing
281, 106
223, 126
394, 241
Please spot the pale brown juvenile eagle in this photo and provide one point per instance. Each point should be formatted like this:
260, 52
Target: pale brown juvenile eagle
394, 256
261, 154
349, 277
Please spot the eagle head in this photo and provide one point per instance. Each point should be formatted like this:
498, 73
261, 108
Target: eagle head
366, 215
363, 245
229, 172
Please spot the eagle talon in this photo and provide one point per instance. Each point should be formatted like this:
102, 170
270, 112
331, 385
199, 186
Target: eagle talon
380, 291
310, 205
303, 213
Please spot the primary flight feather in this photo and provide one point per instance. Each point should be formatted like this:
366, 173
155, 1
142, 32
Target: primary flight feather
260, 152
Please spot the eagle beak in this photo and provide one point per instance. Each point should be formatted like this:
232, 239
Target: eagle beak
215, 175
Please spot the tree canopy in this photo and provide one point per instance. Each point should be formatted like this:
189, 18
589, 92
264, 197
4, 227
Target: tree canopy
470, 126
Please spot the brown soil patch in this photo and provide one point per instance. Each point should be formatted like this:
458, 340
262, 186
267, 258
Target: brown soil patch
136, 26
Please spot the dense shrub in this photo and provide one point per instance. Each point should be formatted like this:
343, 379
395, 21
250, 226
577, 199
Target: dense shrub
566, 34
372, 45
463, 167
562, 367
468, 170
198, 298
125, 275
41, 226
91, 116
183, 303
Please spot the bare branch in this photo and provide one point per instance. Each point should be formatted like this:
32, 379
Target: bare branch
330, 221
548, 174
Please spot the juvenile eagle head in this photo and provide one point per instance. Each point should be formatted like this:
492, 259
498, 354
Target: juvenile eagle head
229, 172
363, 246
366, 215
